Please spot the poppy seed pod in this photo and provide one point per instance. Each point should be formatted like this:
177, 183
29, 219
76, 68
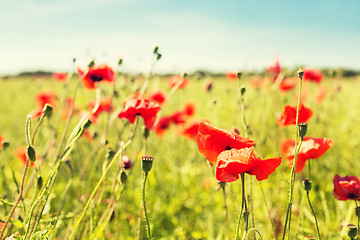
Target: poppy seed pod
352, 230
307, 185
146, 163
31, 153
300, 73
303, 129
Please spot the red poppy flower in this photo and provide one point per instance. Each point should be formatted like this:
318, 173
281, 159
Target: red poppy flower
233, 162
320, 94
258, 83
157, 96
312, 75
104, 106
95, 75
46, 96
288, 117
212, 141
20, 153
142, 107
61, 77
189, 109
191, 130
274, 69
177, 117
346, 188
65, 111
311, 148
288, 84
174, 80
163, 125
231, 76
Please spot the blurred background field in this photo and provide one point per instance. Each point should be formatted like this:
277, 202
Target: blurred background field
181, 195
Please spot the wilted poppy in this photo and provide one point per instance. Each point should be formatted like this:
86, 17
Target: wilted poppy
233, 162
156, 96
61, 77
20, 153
177, 79
288, 84
320, 94
312, 75
232, 76
140, 107
346, 188
311, 148
212, 141
96, 74
288, 117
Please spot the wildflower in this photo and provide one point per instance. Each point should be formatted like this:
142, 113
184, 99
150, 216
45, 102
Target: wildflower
274, 69
61, 77
346, 188
189, 109
174, 80
140, 107
233, 162
20, 153
232, 76
157, 96
288, 84
191, 130
42, 98
96, 74
320, 94
127, 164
104, 106
212, 141
163, 125
69, 104
312, 75
311, 148
288, 117
208, 85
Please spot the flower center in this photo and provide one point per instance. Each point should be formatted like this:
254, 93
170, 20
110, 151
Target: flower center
96, 78
227, 147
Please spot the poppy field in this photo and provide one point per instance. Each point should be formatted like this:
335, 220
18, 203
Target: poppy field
99, 154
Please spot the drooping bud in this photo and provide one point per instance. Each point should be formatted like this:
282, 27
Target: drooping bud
302, 129
146, 163
47, 110
156, 49
352, 230
300, 73
91, 64
31, 153
158, 56
123, 177
39, 182
307, 185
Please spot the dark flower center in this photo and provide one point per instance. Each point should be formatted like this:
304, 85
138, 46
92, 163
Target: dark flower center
227, 147
96, 78
352, 195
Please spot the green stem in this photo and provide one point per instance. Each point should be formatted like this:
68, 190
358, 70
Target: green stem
96, 188
293, 169
313, 212
144, 206
36, 128
252, 230
243, 204
358, 222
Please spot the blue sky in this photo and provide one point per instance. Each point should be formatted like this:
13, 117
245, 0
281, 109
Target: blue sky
212, 35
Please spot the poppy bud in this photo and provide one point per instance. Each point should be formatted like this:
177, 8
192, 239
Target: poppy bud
146, 133
86, 124
184, 75
109, 153
307, 185
158, 56
74, 60
47, 110
300, 73
123, 177
31, 153
239, 73
352, 230
303, 129
127, 164
120, 61
242, 90
39, 182
146, 163
156, 49
5, 145
357, 212
91, 63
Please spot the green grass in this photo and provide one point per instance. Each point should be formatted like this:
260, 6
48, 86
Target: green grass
180, 193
